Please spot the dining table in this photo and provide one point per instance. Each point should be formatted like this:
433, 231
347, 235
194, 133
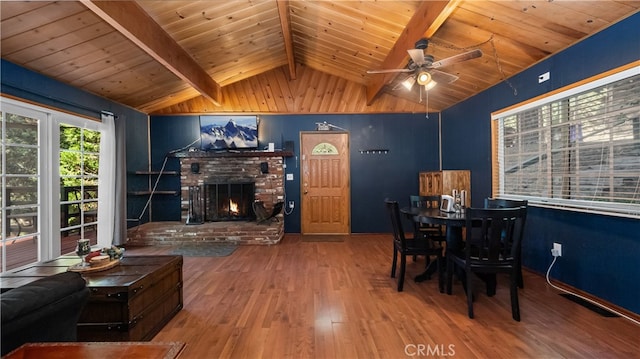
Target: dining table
454, 223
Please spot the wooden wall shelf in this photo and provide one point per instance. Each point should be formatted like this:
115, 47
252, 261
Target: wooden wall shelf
238, 153
146, 193
164, 173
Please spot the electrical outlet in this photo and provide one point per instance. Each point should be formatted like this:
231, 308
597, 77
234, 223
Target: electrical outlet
292, 204
557, 250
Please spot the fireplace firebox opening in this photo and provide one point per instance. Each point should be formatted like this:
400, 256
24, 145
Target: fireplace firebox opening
229, 201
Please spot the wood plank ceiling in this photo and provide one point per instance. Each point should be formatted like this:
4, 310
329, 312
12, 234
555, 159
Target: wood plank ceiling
265, 56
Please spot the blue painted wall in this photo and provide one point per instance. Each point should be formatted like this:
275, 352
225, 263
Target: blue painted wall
600, 253
20, 82
412, 141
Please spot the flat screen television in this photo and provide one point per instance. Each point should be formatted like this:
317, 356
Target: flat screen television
228, 132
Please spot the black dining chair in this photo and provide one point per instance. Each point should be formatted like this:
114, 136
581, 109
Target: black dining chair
492, 245
408, 246
434, 232
510, 203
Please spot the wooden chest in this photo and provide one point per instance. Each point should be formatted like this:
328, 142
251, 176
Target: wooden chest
129, 302
132, 301
444, 182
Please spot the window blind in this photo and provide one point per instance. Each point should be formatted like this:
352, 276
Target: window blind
577, 149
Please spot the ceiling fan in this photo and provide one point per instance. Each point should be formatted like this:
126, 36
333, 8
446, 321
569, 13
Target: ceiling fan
422, 67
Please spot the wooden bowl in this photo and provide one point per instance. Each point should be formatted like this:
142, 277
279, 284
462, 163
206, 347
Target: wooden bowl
99, 260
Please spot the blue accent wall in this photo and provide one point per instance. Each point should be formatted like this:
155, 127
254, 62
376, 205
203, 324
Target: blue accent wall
600, 253
22, 83
412, 141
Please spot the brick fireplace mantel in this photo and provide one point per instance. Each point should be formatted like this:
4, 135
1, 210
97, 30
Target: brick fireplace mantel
198, 168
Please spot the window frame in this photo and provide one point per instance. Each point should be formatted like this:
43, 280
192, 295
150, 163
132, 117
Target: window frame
613, 208
49, 199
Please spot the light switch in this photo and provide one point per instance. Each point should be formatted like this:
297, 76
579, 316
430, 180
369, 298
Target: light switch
289, 176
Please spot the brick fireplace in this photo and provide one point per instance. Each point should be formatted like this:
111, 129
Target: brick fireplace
208, 180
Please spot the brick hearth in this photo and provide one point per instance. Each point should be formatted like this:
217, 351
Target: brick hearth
167, 233
269, 189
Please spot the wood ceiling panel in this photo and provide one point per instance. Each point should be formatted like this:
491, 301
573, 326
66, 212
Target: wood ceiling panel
43, 55
129, 85
36, 16
508, 23
122, 63
9, 9
177, 92
345, 19
393, 13
240, 44
219, 51
187, 19
343, 40
247, 73
608, 11
367, 45
262, 34
92, 65
231, 28
246, 62
323, 52
330, 67
84, 59
231, 42
53, 30
555, 17
183, 96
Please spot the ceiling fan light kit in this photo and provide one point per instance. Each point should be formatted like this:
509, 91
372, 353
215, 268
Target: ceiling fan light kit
424, 78
431, 84
423, 67
409, 82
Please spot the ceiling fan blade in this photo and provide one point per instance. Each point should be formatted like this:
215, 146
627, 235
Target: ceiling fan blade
417, 55
457, 58
443, 77
388, 71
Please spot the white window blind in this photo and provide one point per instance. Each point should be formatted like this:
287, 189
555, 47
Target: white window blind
577, 149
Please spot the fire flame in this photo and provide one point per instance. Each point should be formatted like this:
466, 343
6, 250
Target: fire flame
233, 207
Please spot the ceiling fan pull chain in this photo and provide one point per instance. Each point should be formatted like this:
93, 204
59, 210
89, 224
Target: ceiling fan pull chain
426, 106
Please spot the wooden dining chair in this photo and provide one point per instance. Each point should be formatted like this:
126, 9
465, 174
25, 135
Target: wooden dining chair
404, 246
510, 203
492, 245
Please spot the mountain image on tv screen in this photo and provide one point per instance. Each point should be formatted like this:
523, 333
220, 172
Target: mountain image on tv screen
228, 132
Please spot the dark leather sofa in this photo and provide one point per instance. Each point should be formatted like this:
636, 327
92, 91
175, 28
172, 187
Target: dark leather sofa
46, 310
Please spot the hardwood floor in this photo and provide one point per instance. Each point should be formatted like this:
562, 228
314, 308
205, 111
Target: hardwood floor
336, 300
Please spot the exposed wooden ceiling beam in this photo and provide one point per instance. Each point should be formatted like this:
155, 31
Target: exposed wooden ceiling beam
283, 11
135, 24
425, 22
